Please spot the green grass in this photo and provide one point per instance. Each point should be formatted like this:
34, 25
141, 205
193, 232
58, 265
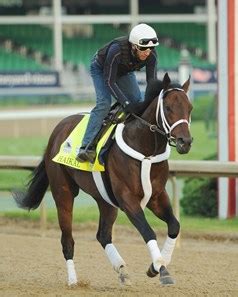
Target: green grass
204, 143
35, 146
89, 214
38, 101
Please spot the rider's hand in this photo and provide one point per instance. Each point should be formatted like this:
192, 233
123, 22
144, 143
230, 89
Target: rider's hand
135, 107
128, 107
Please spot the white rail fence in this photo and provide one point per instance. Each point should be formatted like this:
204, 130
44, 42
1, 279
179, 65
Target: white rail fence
176, 168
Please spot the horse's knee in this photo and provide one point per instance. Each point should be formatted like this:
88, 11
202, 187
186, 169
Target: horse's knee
173, 228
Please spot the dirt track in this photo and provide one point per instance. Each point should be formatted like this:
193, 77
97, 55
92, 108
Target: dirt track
33, 265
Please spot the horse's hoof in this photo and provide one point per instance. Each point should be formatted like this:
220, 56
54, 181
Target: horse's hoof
124, 277
72, 285
72, 282
165, 278
151, 271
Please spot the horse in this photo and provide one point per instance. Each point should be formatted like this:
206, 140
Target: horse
136, 169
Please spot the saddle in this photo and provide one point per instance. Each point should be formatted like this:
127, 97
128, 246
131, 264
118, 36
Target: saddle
102, 142
114, 117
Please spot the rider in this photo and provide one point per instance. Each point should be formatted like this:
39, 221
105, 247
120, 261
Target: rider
112, 70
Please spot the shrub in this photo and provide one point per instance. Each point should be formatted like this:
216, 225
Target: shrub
200, 197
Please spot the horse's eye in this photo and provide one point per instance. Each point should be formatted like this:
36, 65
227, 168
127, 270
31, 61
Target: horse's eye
167, 109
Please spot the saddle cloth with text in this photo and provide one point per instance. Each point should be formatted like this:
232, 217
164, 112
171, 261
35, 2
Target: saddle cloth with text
70, 147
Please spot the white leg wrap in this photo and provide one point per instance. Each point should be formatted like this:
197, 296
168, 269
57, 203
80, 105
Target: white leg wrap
155, 254
168, 249
72, 277
114, 257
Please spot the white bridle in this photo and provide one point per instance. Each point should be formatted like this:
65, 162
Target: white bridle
160, 110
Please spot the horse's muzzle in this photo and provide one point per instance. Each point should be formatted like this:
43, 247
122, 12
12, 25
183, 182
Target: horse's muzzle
183, 144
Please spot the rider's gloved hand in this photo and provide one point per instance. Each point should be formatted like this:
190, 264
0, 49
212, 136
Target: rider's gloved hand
135, 107
128, 107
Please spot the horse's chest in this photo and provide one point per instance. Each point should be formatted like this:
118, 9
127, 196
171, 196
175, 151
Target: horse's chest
159, 174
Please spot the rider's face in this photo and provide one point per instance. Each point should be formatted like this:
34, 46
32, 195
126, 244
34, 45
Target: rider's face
143, 53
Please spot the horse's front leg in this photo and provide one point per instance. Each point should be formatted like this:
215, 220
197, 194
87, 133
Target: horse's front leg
137, 217
161, 207
108, 215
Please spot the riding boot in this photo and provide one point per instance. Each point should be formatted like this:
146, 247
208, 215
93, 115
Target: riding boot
87, 153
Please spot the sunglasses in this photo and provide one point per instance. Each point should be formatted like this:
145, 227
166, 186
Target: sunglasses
142, 49
146, 41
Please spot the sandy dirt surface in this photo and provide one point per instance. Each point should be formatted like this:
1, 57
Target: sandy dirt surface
31, 264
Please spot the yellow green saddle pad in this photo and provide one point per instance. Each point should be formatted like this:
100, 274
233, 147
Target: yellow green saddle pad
70, 147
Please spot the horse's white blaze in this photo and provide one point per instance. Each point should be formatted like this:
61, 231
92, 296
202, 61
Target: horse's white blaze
155, 254
114, 257
168, 249
72, 277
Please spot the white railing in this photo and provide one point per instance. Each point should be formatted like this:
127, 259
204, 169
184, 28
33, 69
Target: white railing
176, 168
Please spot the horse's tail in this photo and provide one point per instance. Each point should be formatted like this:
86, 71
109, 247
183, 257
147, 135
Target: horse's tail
36, 189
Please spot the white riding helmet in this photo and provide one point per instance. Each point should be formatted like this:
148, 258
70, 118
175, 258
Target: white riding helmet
144, 36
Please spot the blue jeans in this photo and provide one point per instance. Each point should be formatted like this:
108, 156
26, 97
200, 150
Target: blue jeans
127, 83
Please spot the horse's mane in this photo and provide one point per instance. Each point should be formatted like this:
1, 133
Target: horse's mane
153, 90
155, 86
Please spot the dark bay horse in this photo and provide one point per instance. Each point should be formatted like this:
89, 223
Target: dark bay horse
136, 170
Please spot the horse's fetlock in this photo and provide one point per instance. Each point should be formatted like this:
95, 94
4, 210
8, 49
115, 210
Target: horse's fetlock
158, 263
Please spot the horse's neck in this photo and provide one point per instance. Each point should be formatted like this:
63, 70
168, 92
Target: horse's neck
139, 136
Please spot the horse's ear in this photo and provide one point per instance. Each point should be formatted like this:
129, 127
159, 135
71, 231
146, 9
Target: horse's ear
166, 81
185, 86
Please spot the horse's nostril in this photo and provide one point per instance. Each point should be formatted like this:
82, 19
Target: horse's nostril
185, 141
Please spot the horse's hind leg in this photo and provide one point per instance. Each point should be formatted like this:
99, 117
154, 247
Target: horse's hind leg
108, 215
64, 189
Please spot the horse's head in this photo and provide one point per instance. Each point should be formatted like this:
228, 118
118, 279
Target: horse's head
174, 114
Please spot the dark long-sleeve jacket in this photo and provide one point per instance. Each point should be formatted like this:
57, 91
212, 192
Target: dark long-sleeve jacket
117, 59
